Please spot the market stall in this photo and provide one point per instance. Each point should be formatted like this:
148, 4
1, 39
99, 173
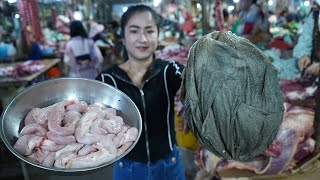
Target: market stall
40, 68
15, 77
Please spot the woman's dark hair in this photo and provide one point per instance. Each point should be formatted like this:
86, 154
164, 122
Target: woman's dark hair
77, 29
225, 13
254, 1
132, 10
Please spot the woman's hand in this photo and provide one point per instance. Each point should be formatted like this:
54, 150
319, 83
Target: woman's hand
304, 62
314, 69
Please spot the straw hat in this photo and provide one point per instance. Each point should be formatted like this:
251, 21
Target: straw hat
95, 28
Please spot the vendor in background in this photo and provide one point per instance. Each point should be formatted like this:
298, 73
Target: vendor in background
96, 31
29, 50
227, 19
62, 24
7, 48
186, 23
82, 57
252, 23
114, 30
307, 50
152, 84
282, 20
49, 35
114, 39
96, 34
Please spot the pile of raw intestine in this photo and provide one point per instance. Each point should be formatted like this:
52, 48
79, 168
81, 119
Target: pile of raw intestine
72, 134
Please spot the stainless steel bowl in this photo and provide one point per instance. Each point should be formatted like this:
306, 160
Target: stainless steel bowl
51, 91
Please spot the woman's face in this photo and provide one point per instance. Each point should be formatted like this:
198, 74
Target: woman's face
141, 36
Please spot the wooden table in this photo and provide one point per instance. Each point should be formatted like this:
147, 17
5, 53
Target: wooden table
9, 81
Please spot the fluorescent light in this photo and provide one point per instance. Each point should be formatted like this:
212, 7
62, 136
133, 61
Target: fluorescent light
124, 9
77, 15
270, 2
12, 1
230, 8
17, 16
235, 1
306, 3
198, 5
156, 2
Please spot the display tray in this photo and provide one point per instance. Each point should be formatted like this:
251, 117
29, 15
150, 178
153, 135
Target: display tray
47, 63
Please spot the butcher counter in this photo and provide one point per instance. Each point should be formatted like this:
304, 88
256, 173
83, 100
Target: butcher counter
9, 81
11, 86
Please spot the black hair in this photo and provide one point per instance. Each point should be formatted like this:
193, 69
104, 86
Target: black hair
132, 10
77, 29
254, 1
113, 24
225, 13
284, 11
50, 25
